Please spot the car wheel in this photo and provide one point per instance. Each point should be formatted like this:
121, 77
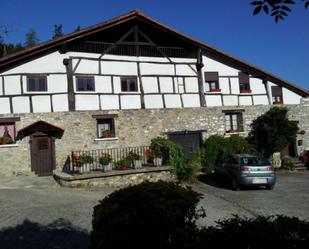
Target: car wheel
235, 185
270, 187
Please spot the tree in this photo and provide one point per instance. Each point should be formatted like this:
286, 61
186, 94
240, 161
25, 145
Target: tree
77, 28
31, 38
279, 9
57, 31
272, 131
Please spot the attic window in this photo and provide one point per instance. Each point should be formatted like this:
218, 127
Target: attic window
277, 95
36, 83
244, 83
212, 82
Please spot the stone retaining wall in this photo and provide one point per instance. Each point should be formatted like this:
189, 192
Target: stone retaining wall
133, 128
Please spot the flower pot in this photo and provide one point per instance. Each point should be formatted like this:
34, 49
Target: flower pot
108, 167
157, 161
85, 168
137, 164
124, 167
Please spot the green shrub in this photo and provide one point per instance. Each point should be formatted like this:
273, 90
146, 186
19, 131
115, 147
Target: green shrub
148, 215
217, 148
259, 233
180, 166
105, 159
85, 159
272, 131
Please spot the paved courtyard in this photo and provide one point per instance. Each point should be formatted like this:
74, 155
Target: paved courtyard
37, 213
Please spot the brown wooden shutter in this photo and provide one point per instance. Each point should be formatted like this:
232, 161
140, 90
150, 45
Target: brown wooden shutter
276, 91
243, 78
211, 76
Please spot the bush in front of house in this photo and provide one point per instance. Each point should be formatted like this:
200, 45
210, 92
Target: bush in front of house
261, 232
272, 131
148, 215
180, 166
216, 148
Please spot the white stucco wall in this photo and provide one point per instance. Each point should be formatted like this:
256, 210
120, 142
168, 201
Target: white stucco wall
56, 83
130, 101
45, 64
1, 90
109, 102
150, 84
166, 84
257, 86
4, 105
191, 84
235, 85
156, 69
191, 100
245, 100
119, 68
103, 84
223, 85
41, 103
229, 100
12, 85
172, 100
211, 65
290, 98
186, 70
213, 100
86, 66
260, 100
60, 102
153, 101
86, 102
21, 104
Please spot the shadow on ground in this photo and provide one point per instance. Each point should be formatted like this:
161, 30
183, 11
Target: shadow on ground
59, 234
214, 181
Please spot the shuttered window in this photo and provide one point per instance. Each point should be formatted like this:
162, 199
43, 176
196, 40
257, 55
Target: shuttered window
212, 80
233, 122
244, 83
276, 95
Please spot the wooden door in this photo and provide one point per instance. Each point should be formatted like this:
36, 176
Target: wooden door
190, 142
42, 154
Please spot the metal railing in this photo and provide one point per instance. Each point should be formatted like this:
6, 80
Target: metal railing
85, 161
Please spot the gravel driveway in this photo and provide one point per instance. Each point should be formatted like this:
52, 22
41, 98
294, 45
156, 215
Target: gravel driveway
37, 213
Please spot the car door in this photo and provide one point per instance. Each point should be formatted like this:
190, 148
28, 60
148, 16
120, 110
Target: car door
233, 167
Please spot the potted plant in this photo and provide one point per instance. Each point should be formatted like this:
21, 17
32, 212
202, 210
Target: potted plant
6, 139
136, 158
123, 164
86, 162
106, 161
107, 134
157, 160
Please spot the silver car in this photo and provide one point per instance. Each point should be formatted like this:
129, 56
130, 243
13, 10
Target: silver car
247, 170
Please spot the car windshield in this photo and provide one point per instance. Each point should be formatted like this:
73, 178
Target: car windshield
254, 161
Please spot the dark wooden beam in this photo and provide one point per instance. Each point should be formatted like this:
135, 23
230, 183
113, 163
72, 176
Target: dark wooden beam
71, 95
199, 66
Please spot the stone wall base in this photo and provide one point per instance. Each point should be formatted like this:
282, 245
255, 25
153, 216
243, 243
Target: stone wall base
117, 181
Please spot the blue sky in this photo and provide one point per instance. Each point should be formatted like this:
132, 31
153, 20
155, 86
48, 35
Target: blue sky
281, 49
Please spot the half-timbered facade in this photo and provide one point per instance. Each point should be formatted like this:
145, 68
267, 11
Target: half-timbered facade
125, 81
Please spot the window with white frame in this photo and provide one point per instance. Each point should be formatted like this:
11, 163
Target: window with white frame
105, 126
212, 80
7, 130
233, 122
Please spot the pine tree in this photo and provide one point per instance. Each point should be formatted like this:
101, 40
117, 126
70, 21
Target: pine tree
31, 38
57, 31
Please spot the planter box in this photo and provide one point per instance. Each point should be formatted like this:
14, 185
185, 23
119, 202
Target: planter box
85, 168
157, 161
137, 164
108, 167
245, 91
215, 90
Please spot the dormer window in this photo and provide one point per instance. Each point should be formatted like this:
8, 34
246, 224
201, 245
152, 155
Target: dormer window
277, 95
85, 83
37, 83
212, 80
244, 83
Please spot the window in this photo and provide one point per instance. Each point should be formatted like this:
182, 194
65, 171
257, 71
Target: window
85, 83
129, 84
36, 83
244, 83
277, 95
105, 125
7, 130
212, 79
233, 122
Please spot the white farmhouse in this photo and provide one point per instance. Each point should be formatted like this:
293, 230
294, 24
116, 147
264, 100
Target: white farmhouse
121, 83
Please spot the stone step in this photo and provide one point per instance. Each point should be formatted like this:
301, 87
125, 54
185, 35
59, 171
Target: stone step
300, 168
